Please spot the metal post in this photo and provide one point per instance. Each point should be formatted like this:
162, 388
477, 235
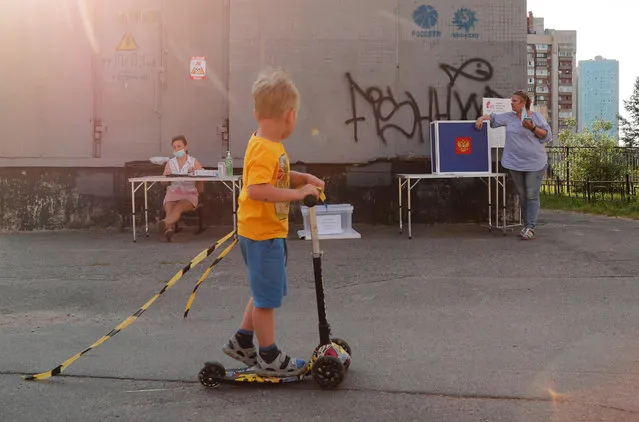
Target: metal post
568, 170
133, 209
628, 186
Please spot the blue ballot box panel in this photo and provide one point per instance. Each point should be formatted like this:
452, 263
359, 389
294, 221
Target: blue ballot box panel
459, 147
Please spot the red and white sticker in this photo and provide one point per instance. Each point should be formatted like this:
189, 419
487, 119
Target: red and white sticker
198, 68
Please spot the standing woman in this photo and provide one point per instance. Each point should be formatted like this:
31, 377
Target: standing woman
524, 154
180, 196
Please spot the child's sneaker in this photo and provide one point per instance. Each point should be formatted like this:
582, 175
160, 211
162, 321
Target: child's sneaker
246, 355
528, 234
282, 366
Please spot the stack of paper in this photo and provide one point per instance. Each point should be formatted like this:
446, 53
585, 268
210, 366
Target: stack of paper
205, 173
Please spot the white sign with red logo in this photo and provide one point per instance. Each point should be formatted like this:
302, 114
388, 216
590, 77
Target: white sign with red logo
497, 136
198, 68
496, 105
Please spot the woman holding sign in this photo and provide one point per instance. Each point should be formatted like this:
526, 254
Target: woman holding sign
524, 154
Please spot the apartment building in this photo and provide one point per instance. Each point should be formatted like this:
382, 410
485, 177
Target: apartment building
599, 93
551, 72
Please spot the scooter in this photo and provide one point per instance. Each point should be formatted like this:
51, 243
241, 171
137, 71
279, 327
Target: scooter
330, 359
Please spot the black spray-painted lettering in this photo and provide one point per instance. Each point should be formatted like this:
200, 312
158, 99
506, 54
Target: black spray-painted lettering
476, 69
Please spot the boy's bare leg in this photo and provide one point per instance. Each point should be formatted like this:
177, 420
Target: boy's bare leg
247, 321
264, 324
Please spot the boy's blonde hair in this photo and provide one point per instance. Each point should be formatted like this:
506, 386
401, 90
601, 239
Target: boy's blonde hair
274, 93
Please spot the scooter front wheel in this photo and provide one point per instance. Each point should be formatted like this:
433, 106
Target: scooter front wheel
342, 343
328, 371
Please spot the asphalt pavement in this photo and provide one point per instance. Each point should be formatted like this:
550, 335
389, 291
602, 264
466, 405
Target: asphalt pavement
457, 324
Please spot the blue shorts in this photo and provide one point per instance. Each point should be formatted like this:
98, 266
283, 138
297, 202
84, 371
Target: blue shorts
266, 264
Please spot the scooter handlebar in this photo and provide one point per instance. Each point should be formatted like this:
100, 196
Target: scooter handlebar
310, 201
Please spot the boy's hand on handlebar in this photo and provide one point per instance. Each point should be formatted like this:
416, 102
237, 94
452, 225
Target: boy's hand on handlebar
308, 189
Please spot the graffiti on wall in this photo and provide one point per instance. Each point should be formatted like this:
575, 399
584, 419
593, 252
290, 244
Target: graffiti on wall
385, 105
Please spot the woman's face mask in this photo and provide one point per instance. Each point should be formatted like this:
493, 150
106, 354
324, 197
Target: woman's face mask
179, 154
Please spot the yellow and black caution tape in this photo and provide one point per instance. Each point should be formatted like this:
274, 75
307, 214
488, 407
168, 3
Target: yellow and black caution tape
199, 258
206, 273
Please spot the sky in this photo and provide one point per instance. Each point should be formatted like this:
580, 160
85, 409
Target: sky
607, 29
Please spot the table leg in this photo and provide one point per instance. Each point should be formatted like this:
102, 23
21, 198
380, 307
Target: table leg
399, 190
410, 231
497, 209
133, 209
146, 210
235, 207
503, 193
490, 203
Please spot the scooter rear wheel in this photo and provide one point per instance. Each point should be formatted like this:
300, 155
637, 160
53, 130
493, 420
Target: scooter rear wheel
210, 375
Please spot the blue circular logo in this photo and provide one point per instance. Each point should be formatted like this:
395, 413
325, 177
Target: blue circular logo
425, 16
465, 19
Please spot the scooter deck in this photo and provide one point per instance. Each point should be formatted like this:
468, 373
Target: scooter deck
211, 374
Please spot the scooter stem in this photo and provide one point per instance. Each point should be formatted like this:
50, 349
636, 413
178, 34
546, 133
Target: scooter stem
324, 327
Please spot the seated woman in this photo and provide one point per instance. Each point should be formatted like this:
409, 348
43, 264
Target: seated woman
180, 196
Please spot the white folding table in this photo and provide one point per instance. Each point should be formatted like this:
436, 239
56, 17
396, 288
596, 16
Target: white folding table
231, 182
411, 180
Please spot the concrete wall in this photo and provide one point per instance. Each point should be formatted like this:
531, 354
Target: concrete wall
96, 84
370, 76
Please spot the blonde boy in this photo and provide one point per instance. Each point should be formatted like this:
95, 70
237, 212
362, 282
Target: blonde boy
269, 186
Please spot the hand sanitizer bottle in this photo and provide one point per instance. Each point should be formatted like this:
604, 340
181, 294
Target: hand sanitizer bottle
229, 164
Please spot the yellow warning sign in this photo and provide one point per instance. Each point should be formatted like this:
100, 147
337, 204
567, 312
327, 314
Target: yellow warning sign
127, 43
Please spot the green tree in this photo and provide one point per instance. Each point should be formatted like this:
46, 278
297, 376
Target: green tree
594, 154
630, 126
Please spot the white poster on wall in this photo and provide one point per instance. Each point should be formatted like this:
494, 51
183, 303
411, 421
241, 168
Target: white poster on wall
497, 136
496, 105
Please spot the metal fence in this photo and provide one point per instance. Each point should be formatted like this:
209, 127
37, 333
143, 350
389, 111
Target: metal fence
593, 173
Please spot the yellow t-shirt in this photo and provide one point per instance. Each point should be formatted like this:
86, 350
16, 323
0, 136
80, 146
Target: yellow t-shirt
265, 161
